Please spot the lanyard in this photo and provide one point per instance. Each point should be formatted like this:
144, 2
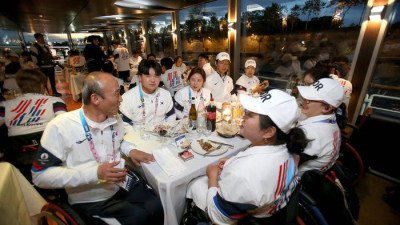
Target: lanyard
89, 137
332, 121
143, 108
190, 96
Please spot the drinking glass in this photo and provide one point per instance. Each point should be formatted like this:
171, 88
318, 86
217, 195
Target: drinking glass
144, 133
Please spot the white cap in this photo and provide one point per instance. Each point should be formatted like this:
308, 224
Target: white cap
325, 89
288, 57
297, 48
223, 56
278, 105
250, 62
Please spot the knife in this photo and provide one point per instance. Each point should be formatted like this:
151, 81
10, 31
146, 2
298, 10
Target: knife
216, 142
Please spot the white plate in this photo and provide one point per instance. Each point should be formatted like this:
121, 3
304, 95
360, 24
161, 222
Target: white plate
199, 150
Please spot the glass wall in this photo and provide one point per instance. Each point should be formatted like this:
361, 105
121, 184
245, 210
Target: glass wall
303, 32
79, 40
386, 76
136, 37
204, 30
160, 37
10, 40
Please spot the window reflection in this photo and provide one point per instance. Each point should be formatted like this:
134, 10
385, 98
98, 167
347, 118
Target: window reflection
204, 29
287, 38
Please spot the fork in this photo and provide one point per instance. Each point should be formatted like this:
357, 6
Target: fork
218, 147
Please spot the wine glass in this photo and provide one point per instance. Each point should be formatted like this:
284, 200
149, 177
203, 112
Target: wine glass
162, 132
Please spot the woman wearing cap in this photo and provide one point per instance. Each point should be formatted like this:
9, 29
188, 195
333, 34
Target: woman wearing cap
195, 89
323, 116
220, 83
248, 83
260, 179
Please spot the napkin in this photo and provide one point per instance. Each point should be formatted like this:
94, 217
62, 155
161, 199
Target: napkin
168, 162
219, 139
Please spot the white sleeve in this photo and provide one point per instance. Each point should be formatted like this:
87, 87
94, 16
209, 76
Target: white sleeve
178, 98
57, 175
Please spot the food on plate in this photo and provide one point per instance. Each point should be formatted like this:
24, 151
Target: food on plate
185, 144
228, 129
205, 145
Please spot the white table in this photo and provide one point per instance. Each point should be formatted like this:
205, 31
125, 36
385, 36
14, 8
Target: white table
20, 203
76, 84
172, 190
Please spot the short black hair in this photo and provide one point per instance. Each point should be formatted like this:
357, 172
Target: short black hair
204, 56
36, 35
151, 54
115, 42
145, 65
167, 62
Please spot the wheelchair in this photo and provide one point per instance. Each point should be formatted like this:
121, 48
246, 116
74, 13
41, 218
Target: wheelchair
324, 200
60, 212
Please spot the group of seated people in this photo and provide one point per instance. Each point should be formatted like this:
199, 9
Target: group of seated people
80, 150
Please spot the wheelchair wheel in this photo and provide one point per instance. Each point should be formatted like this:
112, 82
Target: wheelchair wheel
351, 163
306, 215
63, 214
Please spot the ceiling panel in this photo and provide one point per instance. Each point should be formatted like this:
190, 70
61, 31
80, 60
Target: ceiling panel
58, 16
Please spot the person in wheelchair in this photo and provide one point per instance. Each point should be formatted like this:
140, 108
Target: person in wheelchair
259, 181
81, 152
25, 117
322, 116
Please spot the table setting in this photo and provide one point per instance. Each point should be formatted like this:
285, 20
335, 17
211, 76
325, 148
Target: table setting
181, 156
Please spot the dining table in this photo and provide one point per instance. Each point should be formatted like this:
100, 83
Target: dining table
75, 80
172, 188
20, 203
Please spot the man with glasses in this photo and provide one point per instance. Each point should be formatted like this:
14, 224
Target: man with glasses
322, 117
147, 103
220, 83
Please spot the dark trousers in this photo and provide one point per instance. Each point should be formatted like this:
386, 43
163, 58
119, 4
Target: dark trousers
50, 73
124, 75
139, 206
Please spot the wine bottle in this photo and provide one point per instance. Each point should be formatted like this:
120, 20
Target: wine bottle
193, 114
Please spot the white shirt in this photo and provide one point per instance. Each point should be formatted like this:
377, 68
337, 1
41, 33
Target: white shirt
77, 61
220, 87
172, 80
183, 99
208, 69
123, 60
181, 69
64, 142
29, 113
255, 176
247, 82
325, 142
157, 106
134, 65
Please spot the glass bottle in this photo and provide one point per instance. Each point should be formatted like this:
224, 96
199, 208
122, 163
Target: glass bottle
193, 114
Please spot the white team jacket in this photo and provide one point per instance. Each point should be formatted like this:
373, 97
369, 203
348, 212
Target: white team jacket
247, 82
255, 176
182, 103
325, 142
66, 161
131, 107
220, 88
